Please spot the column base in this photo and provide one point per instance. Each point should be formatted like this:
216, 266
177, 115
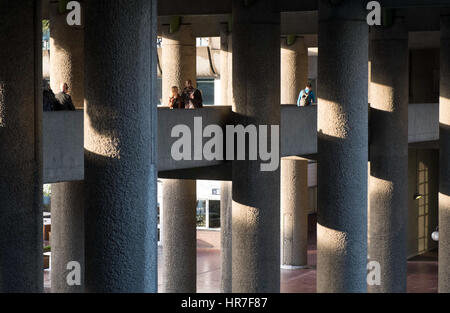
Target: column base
294, 267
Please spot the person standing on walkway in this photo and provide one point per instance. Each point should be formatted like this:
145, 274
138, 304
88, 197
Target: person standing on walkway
175, 100
64, 99
307, 96
49, 101
192, 97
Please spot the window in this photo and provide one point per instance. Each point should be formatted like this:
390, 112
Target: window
208, 214
202, 41
214, 214
201, 213
206, 86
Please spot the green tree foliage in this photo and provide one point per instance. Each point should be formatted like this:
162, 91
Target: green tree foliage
45, 26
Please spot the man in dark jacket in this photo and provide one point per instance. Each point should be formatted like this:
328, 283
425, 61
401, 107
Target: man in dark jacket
49, 101
192, 97
64, 99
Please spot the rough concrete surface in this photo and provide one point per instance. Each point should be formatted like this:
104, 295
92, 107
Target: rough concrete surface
120, 146
21, 259
179, 235
388, 188
256, 194
342, 147
444, 173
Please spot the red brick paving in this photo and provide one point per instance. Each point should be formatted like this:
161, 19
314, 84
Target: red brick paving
422, 273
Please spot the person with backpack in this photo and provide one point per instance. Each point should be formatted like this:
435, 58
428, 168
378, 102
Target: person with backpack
307, 96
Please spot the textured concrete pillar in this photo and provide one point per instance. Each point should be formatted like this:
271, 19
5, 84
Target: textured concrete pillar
294, 69
230, 70
294, 217
120, 148
67, 239
66, 55
21, 260
342, 147
179, 236
388, 188
226, 235
444, 173
179, 59
225, 74
256, 194
67, 66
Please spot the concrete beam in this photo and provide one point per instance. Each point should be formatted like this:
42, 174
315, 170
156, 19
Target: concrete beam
424, 40
219, 115
422, 18
207, 7
210, 25
423, 122
63, 146
417, 19
413, 3
216, 172
206, 17
63, 139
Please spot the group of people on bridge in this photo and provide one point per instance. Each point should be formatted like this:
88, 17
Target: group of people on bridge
190, 97
62, 101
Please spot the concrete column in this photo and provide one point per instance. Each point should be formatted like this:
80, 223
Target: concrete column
179, 59
120, 148
294, 217
179, 236
226, 235
230, 69
21, 259
66, 54
444, 173
224, 67
388, 188
342, 147
67, 239
67, 66
294, 69
256, 193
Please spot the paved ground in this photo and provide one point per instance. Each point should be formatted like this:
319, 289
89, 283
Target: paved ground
422, 273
